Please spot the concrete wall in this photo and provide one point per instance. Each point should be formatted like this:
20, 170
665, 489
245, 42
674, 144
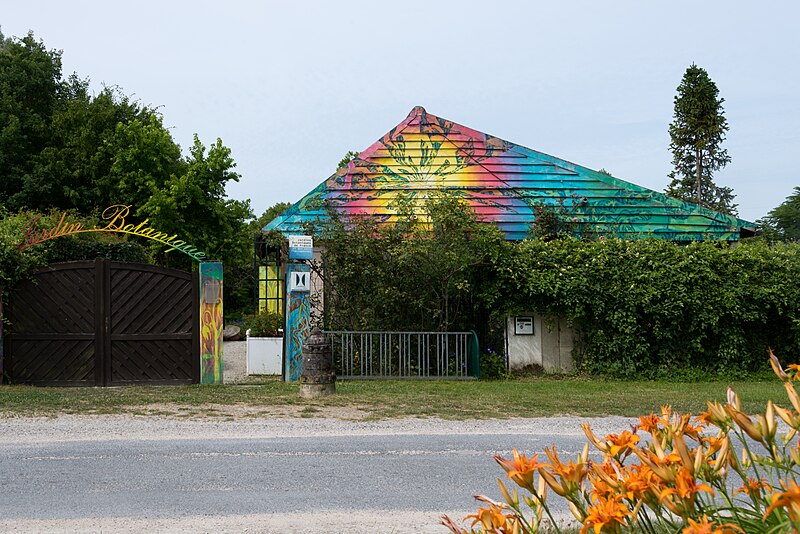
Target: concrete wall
549, 346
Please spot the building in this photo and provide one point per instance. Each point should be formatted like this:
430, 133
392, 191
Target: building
504, 183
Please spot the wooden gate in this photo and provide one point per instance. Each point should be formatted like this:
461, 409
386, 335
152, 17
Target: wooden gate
104, 323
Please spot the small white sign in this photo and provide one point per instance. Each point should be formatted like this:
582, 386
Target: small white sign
523, 326
301, 241
300, 281
301, 247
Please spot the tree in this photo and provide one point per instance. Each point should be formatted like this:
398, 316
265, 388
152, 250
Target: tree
783, 222
62, 148
269, 214
30, 83
425, 271
350, 156
696, 132
193, 205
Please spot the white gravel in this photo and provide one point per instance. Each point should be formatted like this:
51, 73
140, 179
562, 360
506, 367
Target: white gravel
110, 427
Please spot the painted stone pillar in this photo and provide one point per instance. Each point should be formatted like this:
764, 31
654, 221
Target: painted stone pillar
298, 318
211, 322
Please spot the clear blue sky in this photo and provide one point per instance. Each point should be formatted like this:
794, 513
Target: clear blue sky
291, 86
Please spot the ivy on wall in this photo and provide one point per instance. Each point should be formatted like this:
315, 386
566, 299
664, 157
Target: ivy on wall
652, 308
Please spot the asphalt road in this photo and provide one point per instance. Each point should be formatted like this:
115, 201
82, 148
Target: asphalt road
151, 478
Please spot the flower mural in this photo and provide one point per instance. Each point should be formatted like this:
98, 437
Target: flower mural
502, 182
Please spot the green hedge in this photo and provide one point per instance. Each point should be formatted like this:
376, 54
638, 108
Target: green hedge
651, 308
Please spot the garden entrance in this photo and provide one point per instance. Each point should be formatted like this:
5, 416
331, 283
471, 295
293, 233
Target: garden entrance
104, 323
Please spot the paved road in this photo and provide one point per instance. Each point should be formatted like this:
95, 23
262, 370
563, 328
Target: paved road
157, 477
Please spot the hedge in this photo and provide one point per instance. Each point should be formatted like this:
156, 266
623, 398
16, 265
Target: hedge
652, 308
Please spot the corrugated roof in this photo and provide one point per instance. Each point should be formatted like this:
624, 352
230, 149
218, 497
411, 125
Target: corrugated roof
502, 182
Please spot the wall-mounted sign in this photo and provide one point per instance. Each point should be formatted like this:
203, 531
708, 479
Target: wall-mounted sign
300, 281
301, 247
117, 217
523, 326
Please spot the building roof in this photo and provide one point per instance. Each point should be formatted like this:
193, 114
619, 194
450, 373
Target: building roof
503, 183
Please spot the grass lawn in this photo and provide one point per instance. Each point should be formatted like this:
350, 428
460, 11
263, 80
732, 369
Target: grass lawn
532, 397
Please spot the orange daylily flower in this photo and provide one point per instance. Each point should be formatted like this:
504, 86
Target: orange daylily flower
571, 474
639, 480
693, 431
796, 368
716, 415
661, 467
621, 443
686, 490
649, 423
754, 487
789, 499
492, 518
705, 526
521, 469
608, 515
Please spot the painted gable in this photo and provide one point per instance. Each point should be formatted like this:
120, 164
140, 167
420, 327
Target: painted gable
502, 182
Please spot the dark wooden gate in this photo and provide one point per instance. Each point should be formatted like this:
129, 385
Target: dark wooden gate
104, 323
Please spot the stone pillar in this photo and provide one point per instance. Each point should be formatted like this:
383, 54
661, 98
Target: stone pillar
318, 378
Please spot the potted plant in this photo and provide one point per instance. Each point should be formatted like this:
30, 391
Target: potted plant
264, 343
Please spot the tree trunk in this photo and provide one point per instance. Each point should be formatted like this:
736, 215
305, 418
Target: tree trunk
698, 174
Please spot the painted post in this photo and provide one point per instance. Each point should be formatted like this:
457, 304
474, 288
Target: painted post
298, 318
211, 322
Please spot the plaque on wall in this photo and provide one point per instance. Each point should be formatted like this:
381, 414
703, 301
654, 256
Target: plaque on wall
523, 326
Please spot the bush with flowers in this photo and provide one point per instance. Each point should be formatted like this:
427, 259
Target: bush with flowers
721, 471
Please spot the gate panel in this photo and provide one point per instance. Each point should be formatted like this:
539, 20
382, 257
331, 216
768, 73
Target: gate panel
152, 326
54, 327
104, 323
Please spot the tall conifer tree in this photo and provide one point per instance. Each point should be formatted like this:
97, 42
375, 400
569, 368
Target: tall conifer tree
696, 132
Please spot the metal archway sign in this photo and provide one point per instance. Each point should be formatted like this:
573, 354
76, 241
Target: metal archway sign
116, 217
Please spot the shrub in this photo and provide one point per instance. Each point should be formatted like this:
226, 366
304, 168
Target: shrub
265, 324
688, 478
494, 366
646, 308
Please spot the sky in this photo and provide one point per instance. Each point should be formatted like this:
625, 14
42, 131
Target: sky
290, 87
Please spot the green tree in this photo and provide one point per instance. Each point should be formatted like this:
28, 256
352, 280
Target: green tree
697, 132
74, 170
65, 149
350, 156
267, 217
30, 84
374, 272
783, 222
193, 204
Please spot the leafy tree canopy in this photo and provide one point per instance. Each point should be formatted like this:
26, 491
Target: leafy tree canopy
783, 222
64, 148
697, 132
350, 156
268, 216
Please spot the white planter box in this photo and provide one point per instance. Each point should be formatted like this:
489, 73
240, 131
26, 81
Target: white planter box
264, 355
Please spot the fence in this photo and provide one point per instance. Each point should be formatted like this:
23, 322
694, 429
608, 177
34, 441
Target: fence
405, 354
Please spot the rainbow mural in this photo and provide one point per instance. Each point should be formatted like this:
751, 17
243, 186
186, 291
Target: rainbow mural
211, 323
298, 325
502, 182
